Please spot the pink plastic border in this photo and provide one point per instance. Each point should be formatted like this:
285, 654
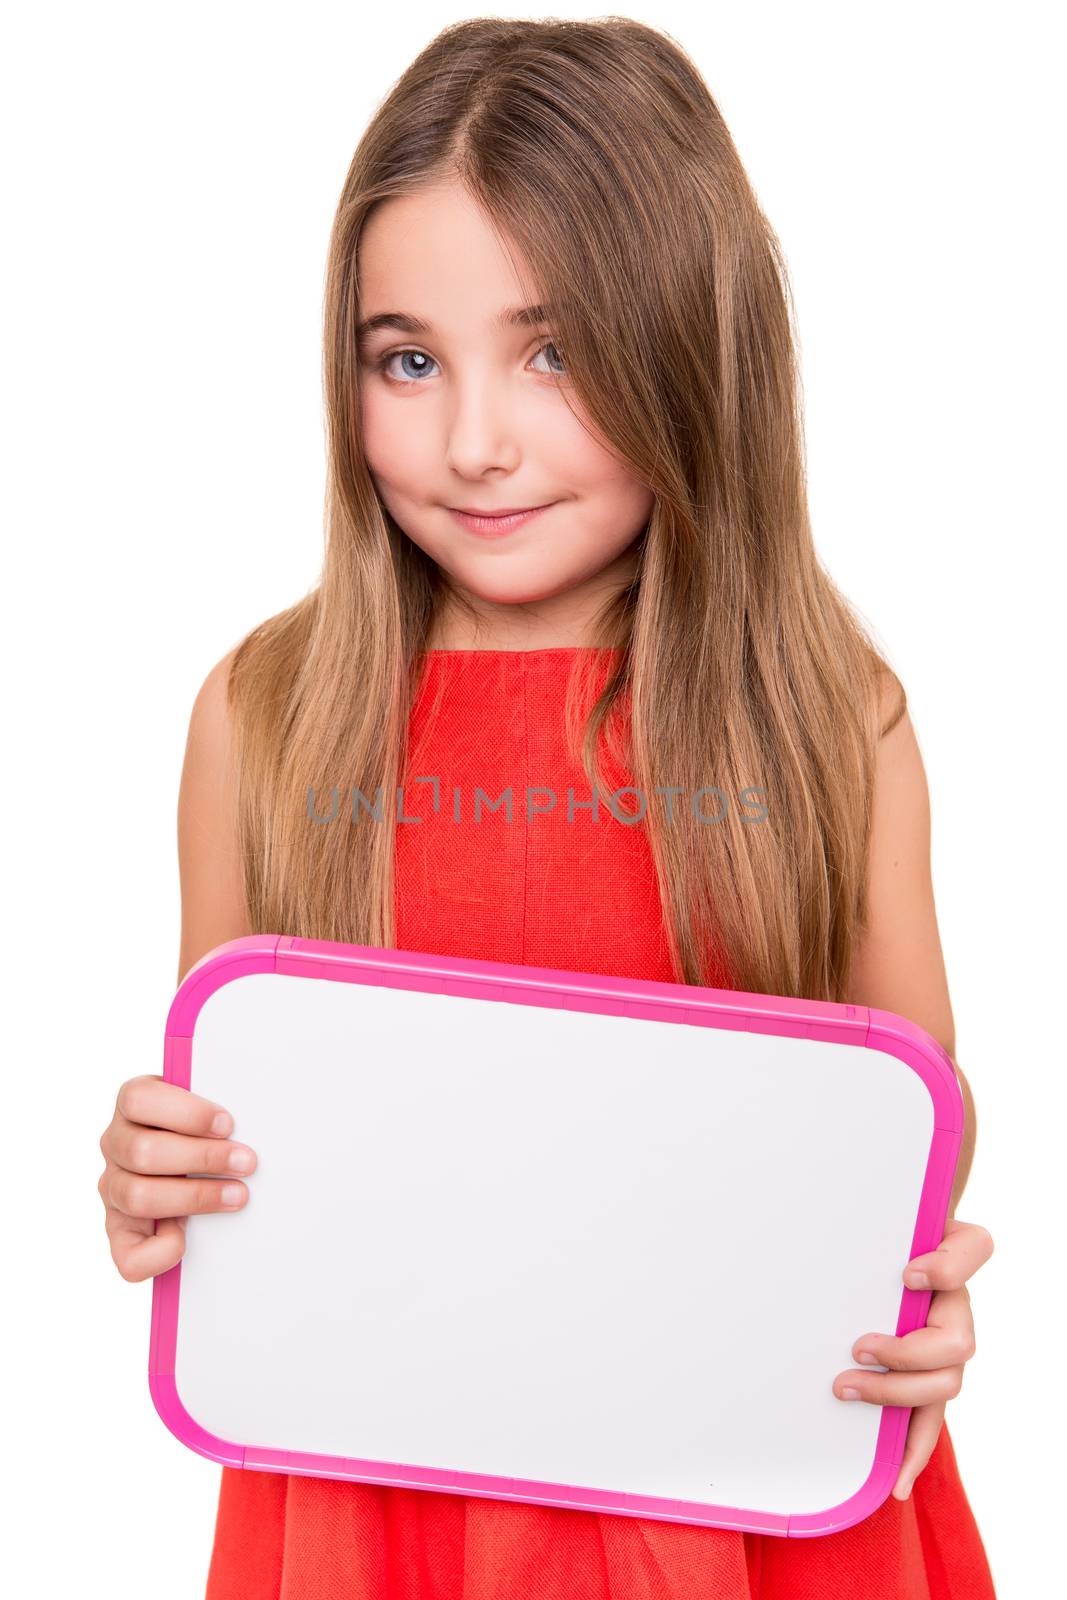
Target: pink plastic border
580, 991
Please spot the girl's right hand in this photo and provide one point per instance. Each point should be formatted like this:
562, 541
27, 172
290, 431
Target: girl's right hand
158, 1132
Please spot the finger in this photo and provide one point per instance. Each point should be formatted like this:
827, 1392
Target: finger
924, 1429
156, 1150
947, 1340
899, 1388
145, 1255
136, 1195
965, 1247
118, 1225
151, 1101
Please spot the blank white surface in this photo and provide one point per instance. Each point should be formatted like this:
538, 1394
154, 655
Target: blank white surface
535, 1243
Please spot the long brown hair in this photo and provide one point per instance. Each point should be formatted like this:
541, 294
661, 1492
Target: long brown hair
596, 149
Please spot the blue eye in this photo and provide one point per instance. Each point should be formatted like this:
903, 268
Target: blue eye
410, 377
417, 355
552, 347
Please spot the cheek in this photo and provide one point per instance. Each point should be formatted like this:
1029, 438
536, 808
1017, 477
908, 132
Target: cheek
586, 462
603, 546
391, 450
573, 451
377, 435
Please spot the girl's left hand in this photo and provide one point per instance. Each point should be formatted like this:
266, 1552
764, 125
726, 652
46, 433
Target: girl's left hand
926, 1365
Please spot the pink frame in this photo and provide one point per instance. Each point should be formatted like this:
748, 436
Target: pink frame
671, 1002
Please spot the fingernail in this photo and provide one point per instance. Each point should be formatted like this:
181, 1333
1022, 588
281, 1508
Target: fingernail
850, 1394
866, 1359
241, 1159
917, 1280
232, 1194
223, 1123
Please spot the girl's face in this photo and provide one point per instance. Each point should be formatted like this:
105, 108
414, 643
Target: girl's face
464, 407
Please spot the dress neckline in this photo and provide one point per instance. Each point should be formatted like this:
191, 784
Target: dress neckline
543, 650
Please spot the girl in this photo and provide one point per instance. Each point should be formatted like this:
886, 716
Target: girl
568, 545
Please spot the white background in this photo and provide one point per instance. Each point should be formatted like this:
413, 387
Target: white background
170, 176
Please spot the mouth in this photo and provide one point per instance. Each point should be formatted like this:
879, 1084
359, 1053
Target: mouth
497, 522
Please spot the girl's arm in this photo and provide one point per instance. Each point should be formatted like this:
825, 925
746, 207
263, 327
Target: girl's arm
899, 967
209, 864
898, 964
161, 1133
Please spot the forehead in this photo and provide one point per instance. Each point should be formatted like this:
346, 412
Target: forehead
437, 256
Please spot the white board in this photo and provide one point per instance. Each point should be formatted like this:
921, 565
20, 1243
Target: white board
499, 1243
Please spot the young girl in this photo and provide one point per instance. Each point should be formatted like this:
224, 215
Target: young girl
568, 549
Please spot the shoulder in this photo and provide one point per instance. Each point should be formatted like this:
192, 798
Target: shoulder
210, 737
898, 963
209, 861
208, 770
208, 773
900, 810
212, 703
892, 701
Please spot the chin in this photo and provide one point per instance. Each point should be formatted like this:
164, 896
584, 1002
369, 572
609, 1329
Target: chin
512, 594
505, 583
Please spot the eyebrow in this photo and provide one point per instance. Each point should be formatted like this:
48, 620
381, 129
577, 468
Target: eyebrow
513, 317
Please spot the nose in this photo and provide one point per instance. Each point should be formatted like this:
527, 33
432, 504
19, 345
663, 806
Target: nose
482, 430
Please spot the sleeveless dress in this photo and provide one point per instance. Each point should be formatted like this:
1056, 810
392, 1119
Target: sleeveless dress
578, 895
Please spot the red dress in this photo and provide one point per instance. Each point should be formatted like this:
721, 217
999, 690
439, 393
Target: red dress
581, 895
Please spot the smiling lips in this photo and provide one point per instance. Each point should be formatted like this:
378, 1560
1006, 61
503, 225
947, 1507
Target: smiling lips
498, 522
